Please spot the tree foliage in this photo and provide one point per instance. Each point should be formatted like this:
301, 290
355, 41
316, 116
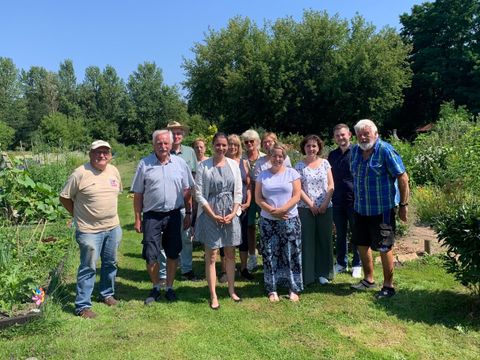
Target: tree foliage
7, 134
297, 76
445, 59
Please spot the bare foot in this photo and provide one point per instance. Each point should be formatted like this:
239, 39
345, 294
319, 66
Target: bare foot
235, 297
294, 297
273, 297
214, 305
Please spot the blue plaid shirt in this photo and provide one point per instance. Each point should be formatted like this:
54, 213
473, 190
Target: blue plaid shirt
375, 179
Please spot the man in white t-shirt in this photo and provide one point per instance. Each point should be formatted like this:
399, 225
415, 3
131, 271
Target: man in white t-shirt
90, 196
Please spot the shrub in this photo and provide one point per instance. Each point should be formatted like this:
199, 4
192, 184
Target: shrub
460, 232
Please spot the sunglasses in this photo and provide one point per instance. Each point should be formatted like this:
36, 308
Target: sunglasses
249, 141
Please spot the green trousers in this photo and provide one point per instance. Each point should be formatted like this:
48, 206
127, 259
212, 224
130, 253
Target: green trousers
317, 245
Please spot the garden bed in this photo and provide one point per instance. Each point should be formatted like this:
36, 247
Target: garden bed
32, 258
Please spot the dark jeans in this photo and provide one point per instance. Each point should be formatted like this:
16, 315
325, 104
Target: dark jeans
343, 219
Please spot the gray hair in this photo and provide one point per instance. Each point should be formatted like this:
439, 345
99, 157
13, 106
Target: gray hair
251, 134
161, 132
364, 123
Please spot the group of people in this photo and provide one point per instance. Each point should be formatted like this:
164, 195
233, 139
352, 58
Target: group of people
180, 195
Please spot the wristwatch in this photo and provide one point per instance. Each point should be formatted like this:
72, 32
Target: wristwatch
403, 204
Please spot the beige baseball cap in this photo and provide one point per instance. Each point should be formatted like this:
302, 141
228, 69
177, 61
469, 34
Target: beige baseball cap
99, 143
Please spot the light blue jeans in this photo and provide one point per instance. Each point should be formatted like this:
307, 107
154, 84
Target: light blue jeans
103, 244
187, 249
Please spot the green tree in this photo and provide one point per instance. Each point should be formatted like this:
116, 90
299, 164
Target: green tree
103, 101
145, 91
7, 134
226, 79
40, 90
61, 131
12, 104
297, 76
445, 35
68, 90
89, 92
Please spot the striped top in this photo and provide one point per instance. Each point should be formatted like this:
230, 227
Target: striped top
375, 179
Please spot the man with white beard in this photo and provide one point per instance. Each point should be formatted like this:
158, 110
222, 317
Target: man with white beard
380, 184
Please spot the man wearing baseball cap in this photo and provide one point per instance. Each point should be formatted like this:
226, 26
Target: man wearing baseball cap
188, 154
90, 196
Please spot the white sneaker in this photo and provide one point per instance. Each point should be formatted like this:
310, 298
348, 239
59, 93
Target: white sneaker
339, 268
357, 272
323, 280
252, 263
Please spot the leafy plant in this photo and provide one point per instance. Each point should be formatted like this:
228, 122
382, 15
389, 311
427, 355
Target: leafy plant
460, 232
23, 199
28, 253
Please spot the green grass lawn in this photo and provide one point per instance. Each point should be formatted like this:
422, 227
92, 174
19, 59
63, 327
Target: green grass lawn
432, 317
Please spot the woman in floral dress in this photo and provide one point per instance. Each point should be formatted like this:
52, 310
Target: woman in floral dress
315, 209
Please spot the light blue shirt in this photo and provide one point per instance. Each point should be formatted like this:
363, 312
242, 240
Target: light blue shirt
162, 185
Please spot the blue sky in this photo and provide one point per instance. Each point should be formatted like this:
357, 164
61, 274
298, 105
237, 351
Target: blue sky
125, 33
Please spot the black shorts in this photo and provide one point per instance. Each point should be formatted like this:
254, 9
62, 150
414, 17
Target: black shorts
377, 232
161, 231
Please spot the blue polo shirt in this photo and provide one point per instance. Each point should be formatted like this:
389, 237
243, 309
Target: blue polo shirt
342, 177
375, 179
162, 185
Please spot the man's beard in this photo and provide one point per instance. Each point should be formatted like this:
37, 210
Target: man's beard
366, 146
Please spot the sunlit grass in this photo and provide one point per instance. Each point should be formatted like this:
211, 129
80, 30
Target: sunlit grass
431, 317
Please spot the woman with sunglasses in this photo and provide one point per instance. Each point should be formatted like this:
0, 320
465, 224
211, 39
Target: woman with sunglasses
251, 141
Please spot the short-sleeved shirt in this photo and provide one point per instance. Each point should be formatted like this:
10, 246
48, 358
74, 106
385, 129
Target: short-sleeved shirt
375, 179
314, 182
277, 190
162, 185
342, 177
95, 197
264, 163
188, 154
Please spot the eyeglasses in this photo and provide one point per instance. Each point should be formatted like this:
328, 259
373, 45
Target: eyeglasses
249, 142
101, 152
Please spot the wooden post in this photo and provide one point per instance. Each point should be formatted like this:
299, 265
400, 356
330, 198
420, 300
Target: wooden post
427, 244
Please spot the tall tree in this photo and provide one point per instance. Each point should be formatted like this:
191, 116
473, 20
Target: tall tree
145, 90
67, 88
12, 104
445, 35
297, 76
226, 78
89, 92
40, 89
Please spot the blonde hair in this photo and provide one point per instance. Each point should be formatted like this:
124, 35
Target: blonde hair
270, 135
234, 138
278, 146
